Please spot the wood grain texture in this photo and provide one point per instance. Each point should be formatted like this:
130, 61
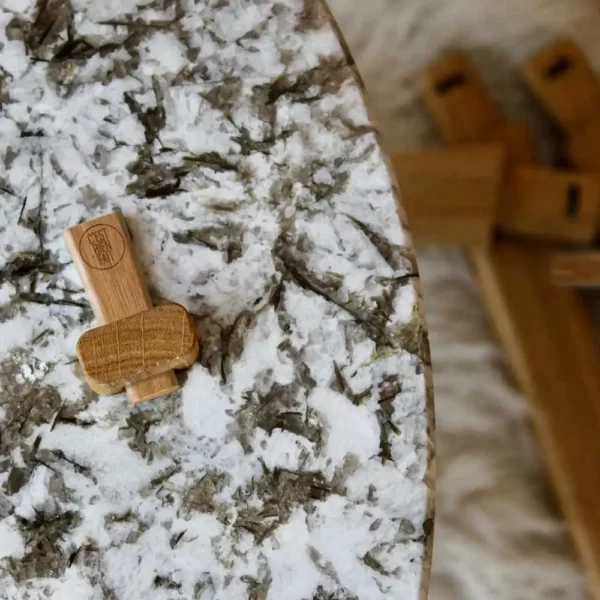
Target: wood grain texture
550, 204
551, 333
462, 107
451, 195
105, 259
583, 148
518, 141
128, 350
563, 81
576, 269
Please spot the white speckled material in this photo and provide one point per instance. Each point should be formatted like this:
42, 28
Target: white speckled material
295, 462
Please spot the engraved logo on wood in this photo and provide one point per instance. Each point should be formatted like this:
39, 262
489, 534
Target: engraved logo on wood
102, 247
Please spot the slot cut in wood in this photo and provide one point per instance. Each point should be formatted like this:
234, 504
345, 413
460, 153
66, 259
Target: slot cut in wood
547, 331
549, 204
563, 81
551, 333
111, 275
443, 86
470, 115
558, 68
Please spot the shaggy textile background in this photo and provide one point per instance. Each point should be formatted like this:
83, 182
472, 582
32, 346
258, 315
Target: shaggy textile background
498, 532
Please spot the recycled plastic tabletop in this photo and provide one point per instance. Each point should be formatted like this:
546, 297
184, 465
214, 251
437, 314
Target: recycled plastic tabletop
295, 462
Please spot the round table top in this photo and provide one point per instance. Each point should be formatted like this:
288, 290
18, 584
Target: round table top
295, 461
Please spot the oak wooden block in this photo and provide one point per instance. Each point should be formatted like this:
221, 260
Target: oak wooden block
583, 148
461, 105
564, 82
127, 351
518, 141
549, 204
576, 269
451, 195
103, 254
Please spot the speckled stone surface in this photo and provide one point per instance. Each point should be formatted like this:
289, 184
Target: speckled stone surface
295, 463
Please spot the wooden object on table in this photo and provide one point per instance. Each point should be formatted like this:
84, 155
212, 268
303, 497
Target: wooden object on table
576, 269
564, 82
463, 108
103, 254
550, 330
550, 204
451, 195
583, 148
128, 350
547, 331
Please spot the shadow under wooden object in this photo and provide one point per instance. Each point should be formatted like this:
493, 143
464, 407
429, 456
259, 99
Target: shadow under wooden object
546, 331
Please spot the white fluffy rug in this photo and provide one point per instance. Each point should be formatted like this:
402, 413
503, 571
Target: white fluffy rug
498, 533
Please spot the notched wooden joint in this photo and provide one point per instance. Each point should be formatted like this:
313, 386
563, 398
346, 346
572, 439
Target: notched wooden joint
558, 68
136, 347
562, 79
573, 200
576, 269
461, 105
451, 195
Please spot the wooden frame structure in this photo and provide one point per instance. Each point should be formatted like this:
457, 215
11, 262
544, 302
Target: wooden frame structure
545, 329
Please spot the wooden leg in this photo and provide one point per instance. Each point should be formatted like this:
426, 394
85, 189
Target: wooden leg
556, 358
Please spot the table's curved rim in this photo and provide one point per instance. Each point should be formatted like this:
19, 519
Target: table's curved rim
429, 400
